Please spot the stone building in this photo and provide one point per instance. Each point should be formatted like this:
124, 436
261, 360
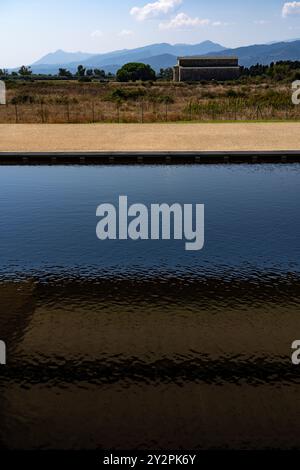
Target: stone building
195, 69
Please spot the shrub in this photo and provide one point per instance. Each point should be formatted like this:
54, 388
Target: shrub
23, 99
123, 94
135, 71
235, 94
166, 99
84, 79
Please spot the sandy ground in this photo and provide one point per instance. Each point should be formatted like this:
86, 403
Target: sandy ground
97, 137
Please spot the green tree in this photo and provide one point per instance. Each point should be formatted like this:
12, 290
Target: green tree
110, 76
64, 73
25, 71
99, 73
135, 71
166, 74
81, 71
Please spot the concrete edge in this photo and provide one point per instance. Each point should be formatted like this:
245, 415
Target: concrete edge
150, 157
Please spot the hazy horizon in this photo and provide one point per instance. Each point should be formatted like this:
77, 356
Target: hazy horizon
95, 26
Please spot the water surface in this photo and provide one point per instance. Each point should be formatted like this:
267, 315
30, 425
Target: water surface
124, 344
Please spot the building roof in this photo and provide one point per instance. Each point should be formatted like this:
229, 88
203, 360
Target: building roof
207, 57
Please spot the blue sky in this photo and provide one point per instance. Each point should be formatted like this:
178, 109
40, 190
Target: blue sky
30, 29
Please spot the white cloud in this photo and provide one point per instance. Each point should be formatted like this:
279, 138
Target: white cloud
221, 23
153, 10
184, 21
125, 32
97, 34
291, 8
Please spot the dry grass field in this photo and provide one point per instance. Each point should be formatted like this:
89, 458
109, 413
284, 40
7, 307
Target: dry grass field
75, 102
97, 137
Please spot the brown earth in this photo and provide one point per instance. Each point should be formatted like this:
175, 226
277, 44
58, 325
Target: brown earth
127, 137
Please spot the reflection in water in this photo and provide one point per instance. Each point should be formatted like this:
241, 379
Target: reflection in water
147, 347
16, 310
92, 369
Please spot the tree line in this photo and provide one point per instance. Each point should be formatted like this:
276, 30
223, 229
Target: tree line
134, 71
281, 70
81, 73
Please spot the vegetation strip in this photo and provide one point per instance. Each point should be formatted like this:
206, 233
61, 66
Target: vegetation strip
137, 95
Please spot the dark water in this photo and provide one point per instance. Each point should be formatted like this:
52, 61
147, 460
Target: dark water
135, 345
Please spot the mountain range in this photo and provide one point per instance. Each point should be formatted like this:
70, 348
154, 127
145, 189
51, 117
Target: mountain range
165, 55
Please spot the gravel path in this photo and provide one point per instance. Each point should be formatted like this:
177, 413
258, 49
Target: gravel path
97, 137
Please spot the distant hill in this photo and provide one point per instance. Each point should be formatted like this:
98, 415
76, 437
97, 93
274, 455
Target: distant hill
265, 53
157, 62
164, 55
113, 60
62, 57
122, 57
161, 61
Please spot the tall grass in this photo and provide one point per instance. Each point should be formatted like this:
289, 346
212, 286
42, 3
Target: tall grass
60, 102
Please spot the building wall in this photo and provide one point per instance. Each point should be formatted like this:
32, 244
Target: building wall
208, 62
189, 74
176, 73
